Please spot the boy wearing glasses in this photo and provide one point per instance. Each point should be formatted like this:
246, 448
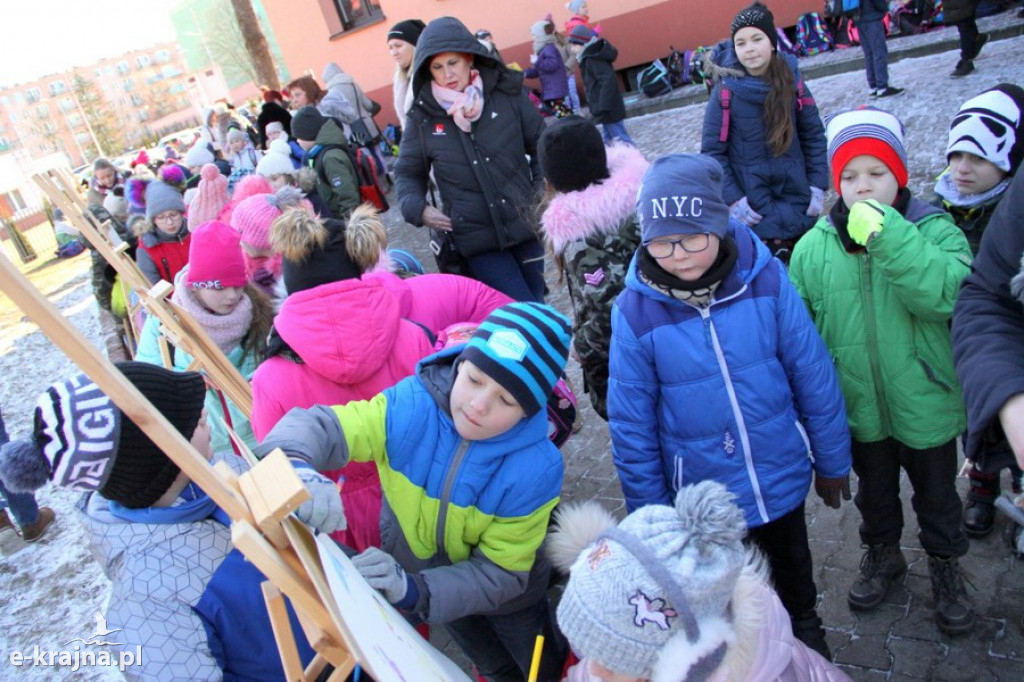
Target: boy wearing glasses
717, 373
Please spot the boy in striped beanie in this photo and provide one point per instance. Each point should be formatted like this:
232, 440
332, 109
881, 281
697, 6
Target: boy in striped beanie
469, 480
880, 273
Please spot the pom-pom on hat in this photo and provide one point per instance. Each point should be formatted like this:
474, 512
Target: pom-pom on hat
580, 34
215, 258
173, 174
408, 30
655, 591
523, 347
199, 154
572, 154
161, 197
306, 123
81, 440
211, 196
991, 126
277, 160
866, 131
758, 16
682, 194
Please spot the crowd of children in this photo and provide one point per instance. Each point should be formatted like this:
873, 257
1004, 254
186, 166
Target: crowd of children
744, 342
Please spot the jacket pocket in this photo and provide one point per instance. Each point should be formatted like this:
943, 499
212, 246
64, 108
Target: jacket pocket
933, 376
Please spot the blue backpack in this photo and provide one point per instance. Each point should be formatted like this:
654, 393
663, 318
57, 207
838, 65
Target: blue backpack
842, 8
811, 34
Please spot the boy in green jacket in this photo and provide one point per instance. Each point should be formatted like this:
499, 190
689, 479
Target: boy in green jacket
880, 274
325, 144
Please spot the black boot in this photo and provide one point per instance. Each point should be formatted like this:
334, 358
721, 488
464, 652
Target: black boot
979, 510
807, 628
879, 567
953, 613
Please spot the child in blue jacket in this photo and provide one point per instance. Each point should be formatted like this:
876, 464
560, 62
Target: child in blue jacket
717, 372
469, 480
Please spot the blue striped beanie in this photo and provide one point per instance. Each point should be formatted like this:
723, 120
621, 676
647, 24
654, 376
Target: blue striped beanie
524, 347
866, 131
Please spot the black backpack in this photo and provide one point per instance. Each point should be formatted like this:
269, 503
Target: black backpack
654, 80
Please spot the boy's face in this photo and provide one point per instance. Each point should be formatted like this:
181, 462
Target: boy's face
866, 177
691, 256
480, 407
236, 145
972, 174
753, 49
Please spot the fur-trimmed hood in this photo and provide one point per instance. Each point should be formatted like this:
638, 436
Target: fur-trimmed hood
601, 207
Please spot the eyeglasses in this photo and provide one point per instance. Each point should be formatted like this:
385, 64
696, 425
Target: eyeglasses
666, 248
168, 217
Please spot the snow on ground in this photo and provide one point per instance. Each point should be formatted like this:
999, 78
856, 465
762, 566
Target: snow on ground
51, 590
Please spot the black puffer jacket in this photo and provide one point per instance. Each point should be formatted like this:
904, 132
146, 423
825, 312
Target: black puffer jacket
600, 82
488, 185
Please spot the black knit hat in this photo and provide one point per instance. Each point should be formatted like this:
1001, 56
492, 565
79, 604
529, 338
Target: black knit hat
323, 265
408, 30
306, 123
572, 154
758, 16
81, 441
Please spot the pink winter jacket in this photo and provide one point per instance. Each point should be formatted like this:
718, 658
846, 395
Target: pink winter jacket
356, 338
764, 649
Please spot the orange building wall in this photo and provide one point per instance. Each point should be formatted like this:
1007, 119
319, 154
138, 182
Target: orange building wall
642, 30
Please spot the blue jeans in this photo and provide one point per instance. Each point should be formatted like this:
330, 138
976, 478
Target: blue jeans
22, 505
616, 131
501, 647
517, 272
876, 53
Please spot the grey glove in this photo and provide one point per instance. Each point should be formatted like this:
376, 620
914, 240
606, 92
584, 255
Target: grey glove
741, 211
817, 204
324, 510
383, 573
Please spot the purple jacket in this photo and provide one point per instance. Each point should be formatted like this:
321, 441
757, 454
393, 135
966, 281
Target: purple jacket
554, 80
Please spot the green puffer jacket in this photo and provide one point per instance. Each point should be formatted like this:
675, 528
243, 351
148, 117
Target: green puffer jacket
884, 314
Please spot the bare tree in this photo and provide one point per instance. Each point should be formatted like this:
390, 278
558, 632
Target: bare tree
105, 133
256, 44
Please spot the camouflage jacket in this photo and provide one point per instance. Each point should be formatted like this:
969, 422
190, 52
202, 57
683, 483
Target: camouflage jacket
593, 234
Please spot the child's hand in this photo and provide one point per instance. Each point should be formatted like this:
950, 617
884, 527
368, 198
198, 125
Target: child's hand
383, 573
741, 211
324, 510
866, 218
830, 489
817, 204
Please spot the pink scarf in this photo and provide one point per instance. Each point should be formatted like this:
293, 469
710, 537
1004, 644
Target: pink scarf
466, 106
227, 331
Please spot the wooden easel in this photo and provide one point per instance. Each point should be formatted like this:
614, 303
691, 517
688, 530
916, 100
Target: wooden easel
261, 498
176, 323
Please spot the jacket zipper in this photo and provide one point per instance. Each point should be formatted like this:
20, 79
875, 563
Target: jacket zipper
446, 494
737, 414
867, 302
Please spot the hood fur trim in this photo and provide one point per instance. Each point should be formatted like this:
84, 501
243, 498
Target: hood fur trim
577, 525
601, 207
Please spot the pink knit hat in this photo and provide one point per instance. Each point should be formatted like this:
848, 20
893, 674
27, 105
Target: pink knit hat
211, 198
253, 217
215, 257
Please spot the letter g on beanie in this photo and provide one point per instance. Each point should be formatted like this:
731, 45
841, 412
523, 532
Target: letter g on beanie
523, 347
81, 440
659, 587
682, 194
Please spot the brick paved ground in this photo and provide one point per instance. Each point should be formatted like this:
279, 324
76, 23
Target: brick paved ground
897, 641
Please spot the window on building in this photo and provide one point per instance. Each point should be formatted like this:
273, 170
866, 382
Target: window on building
136, 99
42, 111
74, 120
143, 115
123, 68
161, 56
67, 104
57, 87
50, 128
82, 138
142, 61
15, 199
347, 15
128, 84
5, 144
109, 69
98, 73
32, 95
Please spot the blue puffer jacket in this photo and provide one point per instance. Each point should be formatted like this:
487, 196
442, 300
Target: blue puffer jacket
777, 187
742, 392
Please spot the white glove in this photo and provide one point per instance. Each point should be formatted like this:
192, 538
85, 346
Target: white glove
324, 510
817, 204
383, 573
533, 59
741, 211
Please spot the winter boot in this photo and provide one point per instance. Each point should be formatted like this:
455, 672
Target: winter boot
807, 628
879, 567
953, 613
5, 521
34, 531
963, 68
979, 510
